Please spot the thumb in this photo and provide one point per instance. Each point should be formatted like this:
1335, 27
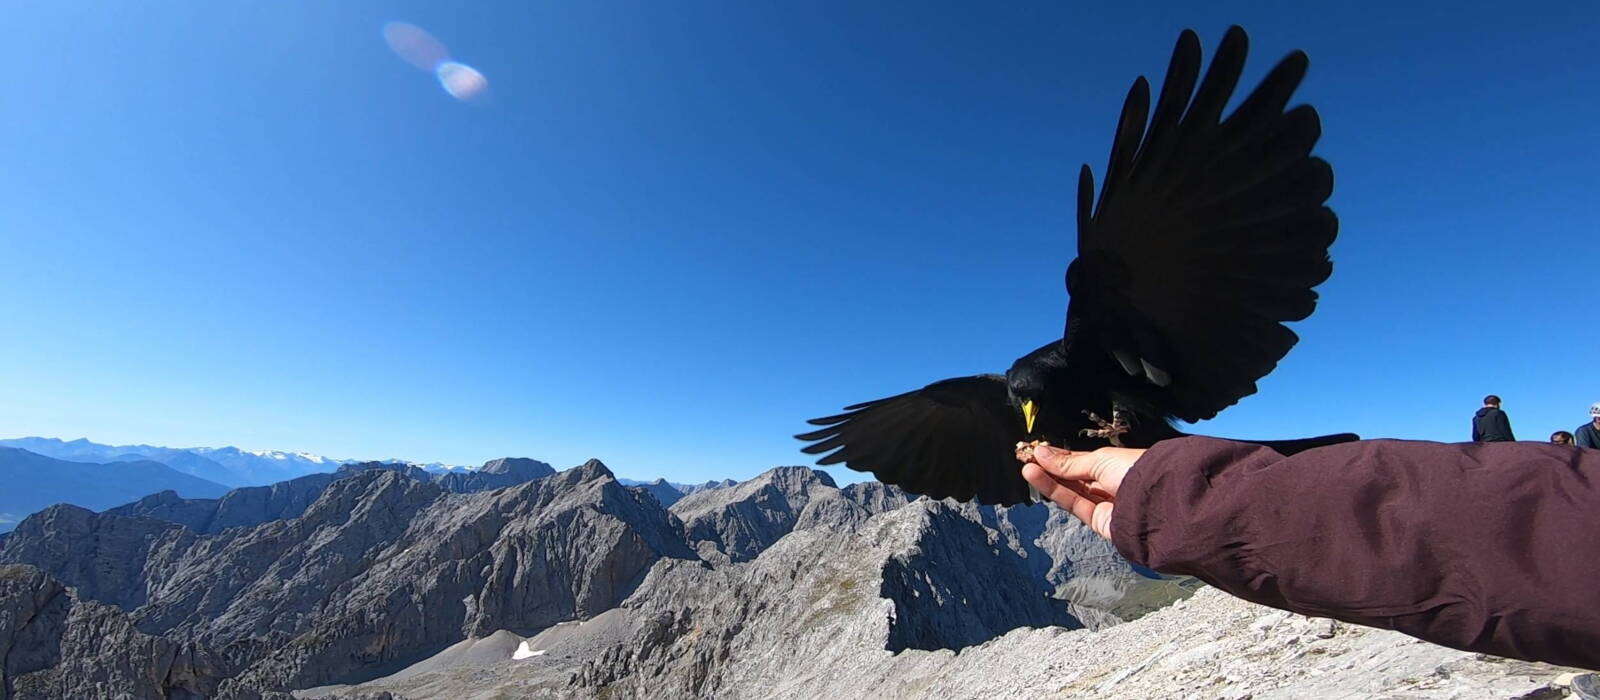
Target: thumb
1066, 464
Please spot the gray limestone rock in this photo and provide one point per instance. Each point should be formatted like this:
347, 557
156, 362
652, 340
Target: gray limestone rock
495, 474
687, 489
363, 577
241, 507
54, 644
379, 570
741, 521
763, 634
103, 556
664, 493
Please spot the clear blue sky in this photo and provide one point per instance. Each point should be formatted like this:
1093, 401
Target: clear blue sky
678, 229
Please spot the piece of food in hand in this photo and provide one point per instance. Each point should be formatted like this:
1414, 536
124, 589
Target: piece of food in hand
1025, 450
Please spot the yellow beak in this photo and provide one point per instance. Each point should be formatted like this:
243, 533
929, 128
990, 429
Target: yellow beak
1028, 414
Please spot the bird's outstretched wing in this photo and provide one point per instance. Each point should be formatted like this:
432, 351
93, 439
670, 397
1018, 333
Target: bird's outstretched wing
1209, 232
951, 439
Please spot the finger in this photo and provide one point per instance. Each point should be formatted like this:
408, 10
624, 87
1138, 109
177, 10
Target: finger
1101, 523
1059, 493
1042, 482
1065, 464
1092, 494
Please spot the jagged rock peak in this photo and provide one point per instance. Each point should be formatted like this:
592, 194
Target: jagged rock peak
594, 469
62, 515
521, 467
410, 470
664, 492
796, 477
687, 489
160, 498
742, 520
381, 489
591, 471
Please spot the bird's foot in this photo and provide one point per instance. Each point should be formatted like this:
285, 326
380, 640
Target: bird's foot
1110, 431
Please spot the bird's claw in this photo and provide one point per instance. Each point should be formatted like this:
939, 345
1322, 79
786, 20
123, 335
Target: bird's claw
1109, 430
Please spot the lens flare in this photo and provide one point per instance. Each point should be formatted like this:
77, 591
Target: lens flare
415, 45
462, 81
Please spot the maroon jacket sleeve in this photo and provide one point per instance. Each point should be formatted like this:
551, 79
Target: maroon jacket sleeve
1491, 547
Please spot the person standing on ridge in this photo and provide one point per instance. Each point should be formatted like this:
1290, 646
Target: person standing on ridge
1588, 435
1490, 424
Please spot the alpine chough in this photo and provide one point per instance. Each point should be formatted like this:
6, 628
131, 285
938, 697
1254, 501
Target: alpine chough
1208, 235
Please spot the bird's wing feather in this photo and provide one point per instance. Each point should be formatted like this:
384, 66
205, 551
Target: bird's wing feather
1208, 234
950, 439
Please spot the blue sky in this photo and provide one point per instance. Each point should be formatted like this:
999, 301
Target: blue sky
677, 230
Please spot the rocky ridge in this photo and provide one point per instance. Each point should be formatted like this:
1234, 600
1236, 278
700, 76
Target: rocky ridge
817, 617
379, 569
380, 580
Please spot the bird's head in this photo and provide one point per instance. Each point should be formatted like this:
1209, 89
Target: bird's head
1025, 385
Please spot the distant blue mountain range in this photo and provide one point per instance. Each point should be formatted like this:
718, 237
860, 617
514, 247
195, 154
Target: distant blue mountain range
33, 481
229, 466
38, 472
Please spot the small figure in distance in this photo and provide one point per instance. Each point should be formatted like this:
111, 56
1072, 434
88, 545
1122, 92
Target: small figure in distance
1588, 435
1561, 437
1490, 424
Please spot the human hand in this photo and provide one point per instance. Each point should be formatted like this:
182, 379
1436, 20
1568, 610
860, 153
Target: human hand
1082, 483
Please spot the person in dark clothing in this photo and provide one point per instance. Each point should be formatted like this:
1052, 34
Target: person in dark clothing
1561, 437
1490, 424
1588, 434
1481, 547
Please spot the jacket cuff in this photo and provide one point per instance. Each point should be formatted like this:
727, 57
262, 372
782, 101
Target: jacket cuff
1161, 505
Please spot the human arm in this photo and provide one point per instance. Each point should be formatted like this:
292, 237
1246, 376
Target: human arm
1483, 547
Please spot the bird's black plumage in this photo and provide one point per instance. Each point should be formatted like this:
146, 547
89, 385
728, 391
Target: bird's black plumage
1208, 234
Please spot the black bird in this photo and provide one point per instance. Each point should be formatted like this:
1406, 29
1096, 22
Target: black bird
1208, 234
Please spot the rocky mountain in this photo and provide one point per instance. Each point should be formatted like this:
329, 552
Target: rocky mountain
677, 490
380, 568
918, 602
1209, 646
55, 644
233, 467
1065, 558
33, 481
687, 489
243, 507
661, 489
378, 580
494, 474
741, 521
288, 499
681, 488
